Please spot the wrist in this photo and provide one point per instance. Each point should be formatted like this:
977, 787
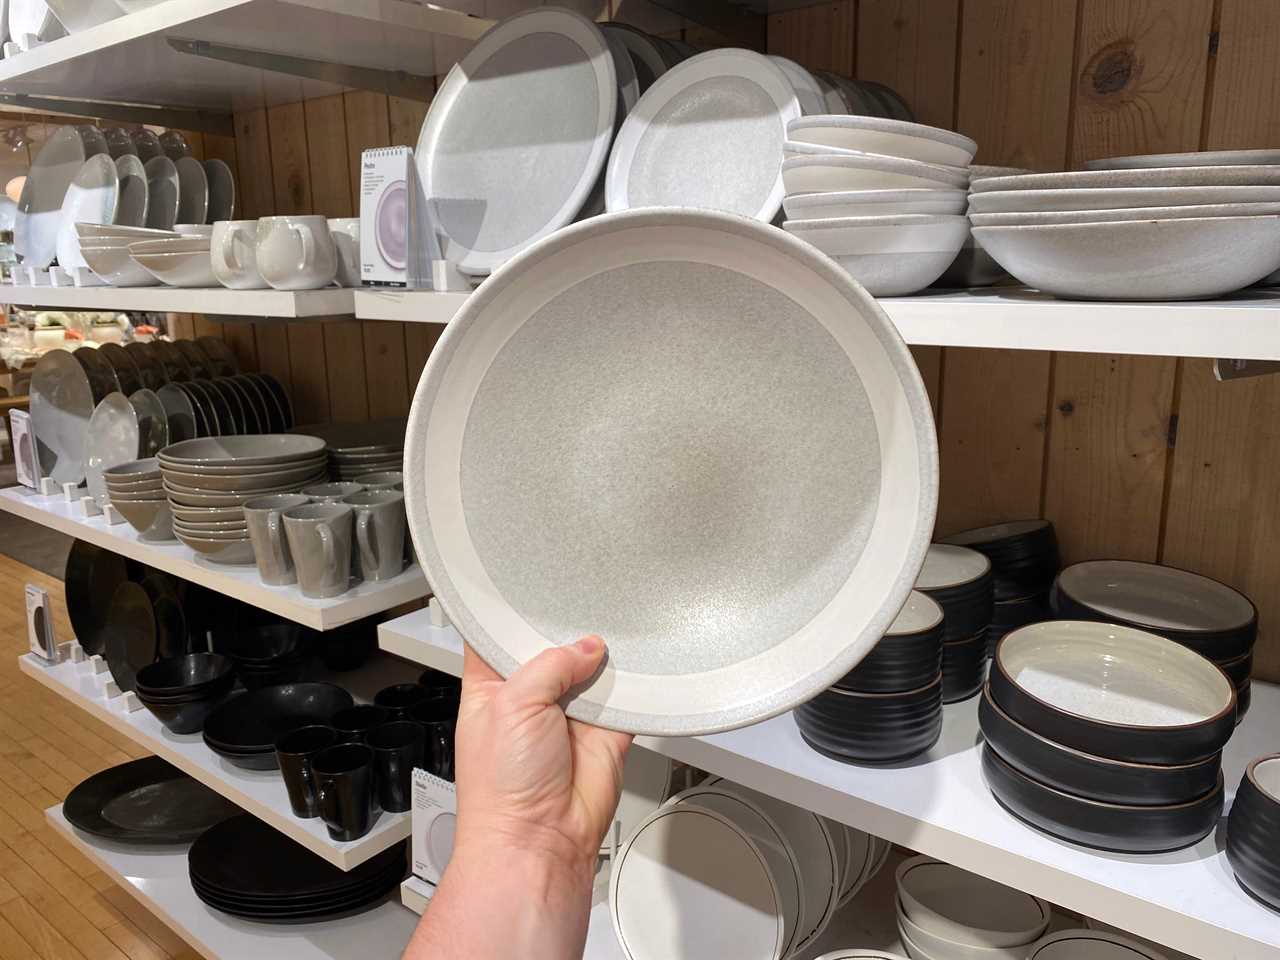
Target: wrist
538, 855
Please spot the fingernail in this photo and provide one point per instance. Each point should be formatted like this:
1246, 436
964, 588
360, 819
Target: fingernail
590, 645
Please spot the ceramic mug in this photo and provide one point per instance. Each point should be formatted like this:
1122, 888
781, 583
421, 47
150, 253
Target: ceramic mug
332, 492
233, 255
382, 480
379, 532
270, 548
319, 537
346, 237
296, 253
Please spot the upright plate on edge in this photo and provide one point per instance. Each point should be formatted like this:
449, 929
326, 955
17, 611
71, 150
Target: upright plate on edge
111, 439
62, 402
517, 135
91, 197
35, 230
714, 506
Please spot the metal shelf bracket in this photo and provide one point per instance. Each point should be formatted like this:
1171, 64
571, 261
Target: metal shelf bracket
205, 121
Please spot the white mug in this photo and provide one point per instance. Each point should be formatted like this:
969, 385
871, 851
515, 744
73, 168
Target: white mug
233, 254
296, 253
346, 236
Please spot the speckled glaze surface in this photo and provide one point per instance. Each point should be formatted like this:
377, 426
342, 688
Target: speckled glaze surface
575, 455
1114, 198
1188, 211
872, 727
1253, 830
1160, 177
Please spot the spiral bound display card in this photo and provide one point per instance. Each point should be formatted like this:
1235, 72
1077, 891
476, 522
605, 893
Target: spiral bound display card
435, 818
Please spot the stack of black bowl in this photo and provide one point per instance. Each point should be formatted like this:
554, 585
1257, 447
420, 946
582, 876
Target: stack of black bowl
245, 729
1106, 736
267, 650
1209, 617
889, 707
183, 691
960, 580
1024, 560
1253, 831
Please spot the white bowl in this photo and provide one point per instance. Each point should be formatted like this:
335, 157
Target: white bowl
1090, 945
922, 944
895, 138
966, 908
194, 229
1115, 198
89, 231
890, 256
192, 269
873, 203
1140, 259
823, 174
169, 245
114, 266
1126, 213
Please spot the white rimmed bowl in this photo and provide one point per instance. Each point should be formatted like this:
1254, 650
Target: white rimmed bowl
895, 138
1091, 945
115, 266
890, 256
192, 269
1125, 213
968, 909
922, 944
1116, 198
873, 203
823, 174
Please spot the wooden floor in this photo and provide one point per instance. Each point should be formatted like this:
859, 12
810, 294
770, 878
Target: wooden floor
54, 904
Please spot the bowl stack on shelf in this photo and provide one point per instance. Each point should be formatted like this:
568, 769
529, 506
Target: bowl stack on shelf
182, 691
945, 913
356, 449
1253, 830
245, 729
209, 479
884, 198
961, 581
105, 249
179, 261
266, 651
135, 489
1024, 562
1106, 736
973, 266
1204, 615
889, 707
1168, 227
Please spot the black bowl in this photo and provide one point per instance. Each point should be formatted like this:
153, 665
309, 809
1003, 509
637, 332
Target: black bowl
347, 647
247, 726
1023, 554
960, 580
1244, 697
1094, 778
1253, 831
185, 675
964, 667
287, 670
185, 716
907, 657
872, 727
1239, 670
1119, 828
398, 698
249, 635
1009, 615
1098, 651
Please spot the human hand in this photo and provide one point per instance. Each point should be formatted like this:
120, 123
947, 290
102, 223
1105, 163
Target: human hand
528, 777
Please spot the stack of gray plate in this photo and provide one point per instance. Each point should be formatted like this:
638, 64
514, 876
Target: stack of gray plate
1163, 227
359, 448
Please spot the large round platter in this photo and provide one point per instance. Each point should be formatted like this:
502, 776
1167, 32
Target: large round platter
112, 439
707, 134
518, 135
91, 197
646, 55
558, 454
62, 402
35, 231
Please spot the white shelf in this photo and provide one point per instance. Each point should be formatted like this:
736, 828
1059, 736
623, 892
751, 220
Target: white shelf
259, 792
939, 804
236, 580
129, 60
219, 301
158, 879
1245, 328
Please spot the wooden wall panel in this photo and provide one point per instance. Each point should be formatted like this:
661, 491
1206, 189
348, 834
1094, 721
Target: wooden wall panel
820, 37
1244, 104
910, 45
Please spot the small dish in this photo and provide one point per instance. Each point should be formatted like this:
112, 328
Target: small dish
920, 944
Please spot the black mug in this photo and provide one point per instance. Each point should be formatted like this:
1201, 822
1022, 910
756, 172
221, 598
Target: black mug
399, 698
344, 779
440, 685
438, 719
397, 748
295, 750
354, 723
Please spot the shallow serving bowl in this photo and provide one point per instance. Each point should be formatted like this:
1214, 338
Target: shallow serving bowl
1138, 260
190, 497
965, 908
193, 269
1162, 177
135, 486
219, 551
207, 514
895, 138
890, 256
823, 174
217, 528
151, 494
248, 451
1126, 213
171, 468
115, 267
873, 203
93, 231
132, 471
1253, 830
1092, 945
1113, 691
178, 244
1195, 158
151, 518
236, 482
922, 945
1115, 198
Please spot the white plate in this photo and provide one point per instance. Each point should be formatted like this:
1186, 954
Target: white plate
518, 135
646, 782
1267, 176
822, 174
111, 439
193, 191
832, 95
947, 565
1091, 945
222, 191
625, 69
1199, 158
61, 405
646, 56
808, 92
966, 908
163, 192
860, 857
1159, 598
894, 138
131, 208
39, 218
870, 203
690, 884
90, 198
1114, 198
778, 535
1126, 213
707, 134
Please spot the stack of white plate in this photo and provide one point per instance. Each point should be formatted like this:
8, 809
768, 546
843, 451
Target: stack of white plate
178, 261
1163, 227
884, 198
946, 913
105, 249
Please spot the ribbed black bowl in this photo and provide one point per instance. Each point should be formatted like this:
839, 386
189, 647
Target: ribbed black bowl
902, 661
964, 667
1094, 778
1023, 554
1239, 670
872, 727
959, 579
1118, 828
1253, 830
1244, 697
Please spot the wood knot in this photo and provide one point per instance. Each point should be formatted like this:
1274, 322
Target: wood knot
1066, 408
1112, 69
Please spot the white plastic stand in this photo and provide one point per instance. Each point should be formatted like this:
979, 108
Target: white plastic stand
110, 689
98, 666
84, 277
91, 508
49, 487
445, 276
71, 491
112, 514
29, 41
11, 49
438, 619
126, 702
60, 278
37, 277
75, 652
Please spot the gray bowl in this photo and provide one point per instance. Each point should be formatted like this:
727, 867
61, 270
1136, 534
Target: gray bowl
151, 518
257, 449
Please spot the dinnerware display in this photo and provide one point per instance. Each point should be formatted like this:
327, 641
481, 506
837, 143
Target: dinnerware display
692, 141
379, 528
1114, 692
39, 216
295, 253
943, 904
345, 232
245, 729
825, 173
515, 140
398, 748
1116, 198
122, 361
181, 261
1253, 830
488, 439
62, 401
181, 692
249, 869
319, 536
960, 580
135, 489
872, 727
91, 197
164, 193
294, 752
803, 83
147, 801
266, 530
361, 448
233, 251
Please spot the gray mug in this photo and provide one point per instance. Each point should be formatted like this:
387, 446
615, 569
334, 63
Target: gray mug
332, 492
319, 536
379, 532
382, 480
266, 533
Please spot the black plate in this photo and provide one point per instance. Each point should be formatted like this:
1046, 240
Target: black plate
349, 910
145, 801
150, 367
127, 372
1115, 827
394, 873
218, 356
268, 409
241, 407
1253, 837
176, 367
1074, 772
253, 721
872, 727
102, 376
281, 395
130, 634
195, 358
216, 408
92, 575
206, 419
171, 622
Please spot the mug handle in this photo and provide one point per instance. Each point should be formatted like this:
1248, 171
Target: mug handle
366, 539
303, 232
276, 537
325, 533
228, 252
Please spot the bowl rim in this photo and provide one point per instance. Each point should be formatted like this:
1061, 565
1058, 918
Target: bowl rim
936, 682
954, 948
1250, 772
1031, 933
904, 128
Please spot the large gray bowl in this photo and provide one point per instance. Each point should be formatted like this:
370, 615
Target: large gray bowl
241, 481
246, 451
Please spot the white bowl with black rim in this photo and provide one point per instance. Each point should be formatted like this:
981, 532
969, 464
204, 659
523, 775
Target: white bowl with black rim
967, 908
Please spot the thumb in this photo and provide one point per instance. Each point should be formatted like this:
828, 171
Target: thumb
549, 676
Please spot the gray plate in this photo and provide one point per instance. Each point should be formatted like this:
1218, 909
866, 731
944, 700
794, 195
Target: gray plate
61, 405
222, 191
193, 191
162, 193
756, 449
153, 422
112, 440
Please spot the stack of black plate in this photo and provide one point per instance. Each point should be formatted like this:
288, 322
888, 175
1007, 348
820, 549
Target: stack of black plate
245, 868
1106, 736
1024, 560
1209, 617
960, 580
245, 728
889, 707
